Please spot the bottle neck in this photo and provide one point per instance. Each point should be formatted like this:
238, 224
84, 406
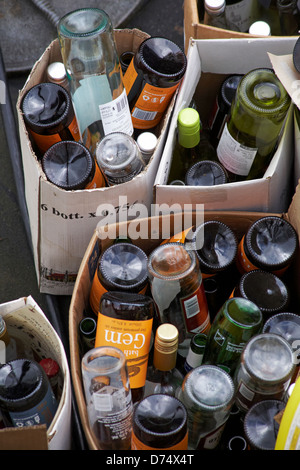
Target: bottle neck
164, 360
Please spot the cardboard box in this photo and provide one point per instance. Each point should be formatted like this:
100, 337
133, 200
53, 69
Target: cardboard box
26, 320
194, 29
239, 221
209, 62
62, 222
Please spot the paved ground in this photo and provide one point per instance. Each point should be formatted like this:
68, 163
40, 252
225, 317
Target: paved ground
17, 273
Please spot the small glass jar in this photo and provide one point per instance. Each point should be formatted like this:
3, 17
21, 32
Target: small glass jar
49, 115
215, 245
177, 290
208, 395
269, 244
159, 422
70, 166
265, 370
261, 426
121, 267
147, 142
206, 173
56, 73
119, 158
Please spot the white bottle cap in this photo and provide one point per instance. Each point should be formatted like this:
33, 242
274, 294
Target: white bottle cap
260, 28
147, 142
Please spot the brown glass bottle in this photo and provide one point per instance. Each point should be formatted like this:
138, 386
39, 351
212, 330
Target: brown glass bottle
121, 267
155, 72
269, 244
266, 290
125, 321
49, 115
70, 166
159, 422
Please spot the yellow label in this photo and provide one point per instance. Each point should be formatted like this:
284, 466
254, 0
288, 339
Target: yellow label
132, 338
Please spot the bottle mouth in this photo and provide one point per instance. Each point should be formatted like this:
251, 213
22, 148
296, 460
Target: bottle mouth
83, 22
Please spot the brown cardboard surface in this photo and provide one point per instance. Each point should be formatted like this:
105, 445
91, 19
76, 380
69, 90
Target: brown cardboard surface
33, 438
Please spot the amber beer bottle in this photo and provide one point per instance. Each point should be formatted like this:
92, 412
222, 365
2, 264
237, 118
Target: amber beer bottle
125, 321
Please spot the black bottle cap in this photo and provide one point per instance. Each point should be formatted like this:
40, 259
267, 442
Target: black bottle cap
163, 57
20, 380
296, 55
206, 173
229, 87
46, 108
68, 164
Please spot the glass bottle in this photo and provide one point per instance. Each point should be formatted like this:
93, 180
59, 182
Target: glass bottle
240, 14
90, 57
121, 267
12, 346
289, 17
257, 116
49, 116
222, 106
125, 59
108, 397
155, 72
208, 395
70, 166
214, 14
159, 423
237, 321
147, 142
196, 352
87, 331
125, 321
162, 375
261, 426
119, 158
56, 73
178, 292
215, 245
266, 290
205, 173
264, 371
26, 397
270, 244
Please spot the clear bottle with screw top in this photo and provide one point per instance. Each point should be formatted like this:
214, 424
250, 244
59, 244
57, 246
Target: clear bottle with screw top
214, 14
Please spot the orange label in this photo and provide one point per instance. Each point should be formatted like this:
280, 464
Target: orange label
98, 180
132, 338
178, 237
151, 102
136, 444
44, 142
195, 311
96, 292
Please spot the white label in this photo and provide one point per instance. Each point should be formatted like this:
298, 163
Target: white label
240, 15
235, 157
191, 306
116, 115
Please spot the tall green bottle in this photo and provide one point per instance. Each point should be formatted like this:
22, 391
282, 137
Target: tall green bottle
189, 148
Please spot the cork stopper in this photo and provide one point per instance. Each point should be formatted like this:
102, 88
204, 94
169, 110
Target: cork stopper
165, 347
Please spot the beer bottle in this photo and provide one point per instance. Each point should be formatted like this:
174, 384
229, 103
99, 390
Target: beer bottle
263, 416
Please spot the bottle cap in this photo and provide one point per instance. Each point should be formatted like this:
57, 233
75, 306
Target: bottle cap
147, 142
260, 28
56, 72
50, 366
171, 261
165, 349
206, 173
215, 5
188, 127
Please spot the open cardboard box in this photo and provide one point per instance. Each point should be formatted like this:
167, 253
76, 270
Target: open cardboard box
27, 321
154, 227
62, 222
193, 28
209, 62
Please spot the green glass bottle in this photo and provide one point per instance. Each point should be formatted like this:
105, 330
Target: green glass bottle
258, 113
189, 147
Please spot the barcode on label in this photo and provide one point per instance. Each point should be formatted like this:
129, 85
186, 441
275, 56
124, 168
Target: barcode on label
143, 115
191, 306
121, 103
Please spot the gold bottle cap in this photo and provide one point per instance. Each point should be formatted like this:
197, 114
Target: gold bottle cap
165, 347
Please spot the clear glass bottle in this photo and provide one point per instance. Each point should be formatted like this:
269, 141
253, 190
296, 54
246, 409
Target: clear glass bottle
196, 352
162, 375
250, 137
214, 14
119, 158
208, 395
289, 17
90, 57
237, 321
178, 292
266, 290
70, 166
159, 423
261, 426
264, 371
155, 72
125, 321
270, 244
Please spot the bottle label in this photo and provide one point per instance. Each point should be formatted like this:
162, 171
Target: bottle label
246, 397
98, 180
151, 102
236, 158
195, 310
240, 15
136, 444
211, 440
44, 142
42, 413
132, 338
193, 360
116, 116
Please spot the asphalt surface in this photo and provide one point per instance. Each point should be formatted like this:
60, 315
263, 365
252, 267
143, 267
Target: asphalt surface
17, 272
